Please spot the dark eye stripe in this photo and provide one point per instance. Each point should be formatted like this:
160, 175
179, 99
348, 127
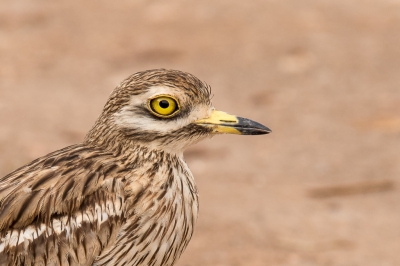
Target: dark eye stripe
143, 111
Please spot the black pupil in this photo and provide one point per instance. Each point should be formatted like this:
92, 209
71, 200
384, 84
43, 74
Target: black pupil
164, 104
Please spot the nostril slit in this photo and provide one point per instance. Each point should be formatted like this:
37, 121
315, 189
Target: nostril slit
228, 121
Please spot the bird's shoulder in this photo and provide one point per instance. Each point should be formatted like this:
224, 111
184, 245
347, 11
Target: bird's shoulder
58, 184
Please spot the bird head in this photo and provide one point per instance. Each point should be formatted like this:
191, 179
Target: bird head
166, 110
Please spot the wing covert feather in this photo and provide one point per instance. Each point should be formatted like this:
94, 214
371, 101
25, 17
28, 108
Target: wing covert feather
53, 185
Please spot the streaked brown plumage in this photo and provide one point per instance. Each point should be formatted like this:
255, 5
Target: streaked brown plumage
124, 196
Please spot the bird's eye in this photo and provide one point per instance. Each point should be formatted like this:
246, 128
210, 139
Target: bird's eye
164, 106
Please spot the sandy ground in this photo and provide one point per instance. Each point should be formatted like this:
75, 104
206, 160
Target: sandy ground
324, 75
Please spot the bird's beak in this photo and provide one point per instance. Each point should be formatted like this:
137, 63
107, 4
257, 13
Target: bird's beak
221, 122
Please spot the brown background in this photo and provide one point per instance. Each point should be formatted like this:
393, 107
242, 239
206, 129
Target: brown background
323, 189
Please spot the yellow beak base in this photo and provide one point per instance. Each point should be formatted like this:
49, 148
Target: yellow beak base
223, 123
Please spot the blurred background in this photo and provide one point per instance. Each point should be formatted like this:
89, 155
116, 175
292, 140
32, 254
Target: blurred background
324, 75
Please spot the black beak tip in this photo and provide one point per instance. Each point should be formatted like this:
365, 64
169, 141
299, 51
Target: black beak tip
250, 127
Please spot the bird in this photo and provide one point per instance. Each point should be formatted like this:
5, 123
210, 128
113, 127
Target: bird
125, 195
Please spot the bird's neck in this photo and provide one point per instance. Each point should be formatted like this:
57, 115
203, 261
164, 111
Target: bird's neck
103, 136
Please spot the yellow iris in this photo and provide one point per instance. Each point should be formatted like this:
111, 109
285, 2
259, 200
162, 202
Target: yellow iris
164, 106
